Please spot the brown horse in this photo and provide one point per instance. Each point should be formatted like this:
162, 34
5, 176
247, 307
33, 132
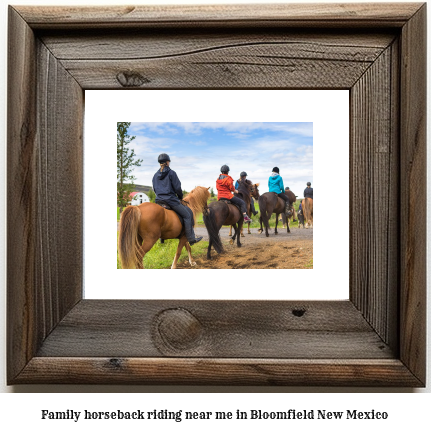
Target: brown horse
270, 203
307, 208
285, 219
246, 192
221, 213
141, 226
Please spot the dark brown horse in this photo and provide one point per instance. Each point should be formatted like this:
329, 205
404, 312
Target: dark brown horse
141, 226
221, 213
246, 191
291, 214
270, 203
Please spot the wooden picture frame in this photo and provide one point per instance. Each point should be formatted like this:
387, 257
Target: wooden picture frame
376, 338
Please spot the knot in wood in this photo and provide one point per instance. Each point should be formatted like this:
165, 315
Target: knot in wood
178, 329
131, 79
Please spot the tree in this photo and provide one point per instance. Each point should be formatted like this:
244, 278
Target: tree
152, 195
125, 164
212, 192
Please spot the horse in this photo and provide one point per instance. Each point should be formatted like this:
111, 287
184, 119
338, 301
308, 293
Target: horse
246, 192
217, 214
285, 219
270, 203
141, 226
300, 218
307, 208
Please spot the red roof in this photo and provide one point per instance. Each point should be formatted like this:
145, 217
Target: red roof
133, 194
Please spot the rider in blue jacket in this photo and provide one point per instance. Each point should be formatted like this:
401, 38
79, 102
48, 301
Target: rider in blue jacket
167, 187
243, 177
275, 184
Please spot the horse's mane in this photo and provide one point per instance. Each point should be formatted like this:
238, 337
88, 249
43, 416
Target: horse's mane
197, 199
291, 196
244, 187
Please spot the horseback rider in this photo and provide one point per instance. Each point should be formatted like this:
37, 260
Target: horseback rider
275, 184
167, 187
243, 178
293, 208
308, 191
225, 187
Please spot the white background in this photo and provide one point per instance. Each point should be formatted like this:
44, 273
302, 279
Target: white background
329, 112
23, 410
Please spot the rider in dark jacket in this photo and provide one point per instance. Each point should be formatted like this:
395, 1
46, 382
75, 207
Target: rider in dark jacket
167, 188
243, 178
308, 191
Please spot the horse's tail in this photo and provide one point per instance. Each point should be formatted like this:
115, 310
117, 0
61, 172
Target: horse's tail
211, 226
263, 212
128, 237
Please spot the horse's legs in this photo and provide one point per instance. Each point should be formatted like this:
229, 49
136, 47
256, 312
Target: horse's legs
240, 223
189, 251
235, 234
147, 244
181, 244
287, 224
209, 248
230, 231
276, 223
260, 230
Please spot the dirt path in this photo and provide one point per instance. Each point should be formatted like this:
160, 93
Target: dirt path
282, 251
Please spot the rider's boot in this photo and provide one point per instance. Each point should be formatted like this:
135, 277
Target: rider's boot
190, 234
247, 219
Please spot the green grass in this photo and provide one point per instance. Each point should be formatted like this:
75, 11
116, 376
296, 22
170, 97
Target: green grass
309, 264
161, 255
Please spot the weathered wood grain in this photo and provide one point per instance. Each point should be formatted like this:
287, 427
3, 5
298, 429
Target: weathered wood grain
299, 14
232, 329
53, 336
373, 212
413, 194
45, 188
213, 60
140, 44
21, 194
59, 183
329, 372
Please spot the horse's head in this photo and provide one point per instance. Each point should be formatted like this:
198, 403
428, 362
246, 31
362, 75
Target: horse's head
255, 191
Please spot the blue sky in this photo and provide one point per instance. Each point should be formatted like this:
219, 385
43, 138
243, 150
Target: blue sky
198, 150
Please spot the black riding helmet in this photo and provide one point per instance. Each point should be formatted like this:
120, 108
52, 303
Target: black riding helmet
243, 174
308, 184
163, 158
224, 168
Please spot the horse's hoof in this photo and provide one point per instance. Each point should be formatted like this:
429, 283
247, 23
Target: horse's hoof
242, 235
276, 232
192, 263
230, 241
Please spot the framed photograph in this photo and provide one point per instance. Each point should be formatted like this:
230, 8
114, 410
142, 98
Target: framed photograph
376, 337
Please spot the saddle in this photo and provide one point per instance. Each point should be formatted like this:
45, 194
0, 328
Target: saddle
228, 201
166, 206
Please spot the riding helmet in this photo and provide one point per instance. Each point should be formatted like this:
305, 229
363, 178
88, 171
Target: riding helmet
243, 174
276, 169
308, 184
163, 158
224, 168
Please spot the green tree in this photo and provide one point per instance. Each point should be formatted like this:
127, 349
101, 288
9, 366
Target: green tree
212, 193
152, 195
125, 163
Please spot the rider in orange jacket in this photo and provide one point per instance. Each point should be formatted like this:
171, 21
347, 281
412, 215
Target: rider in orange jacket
225, 188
